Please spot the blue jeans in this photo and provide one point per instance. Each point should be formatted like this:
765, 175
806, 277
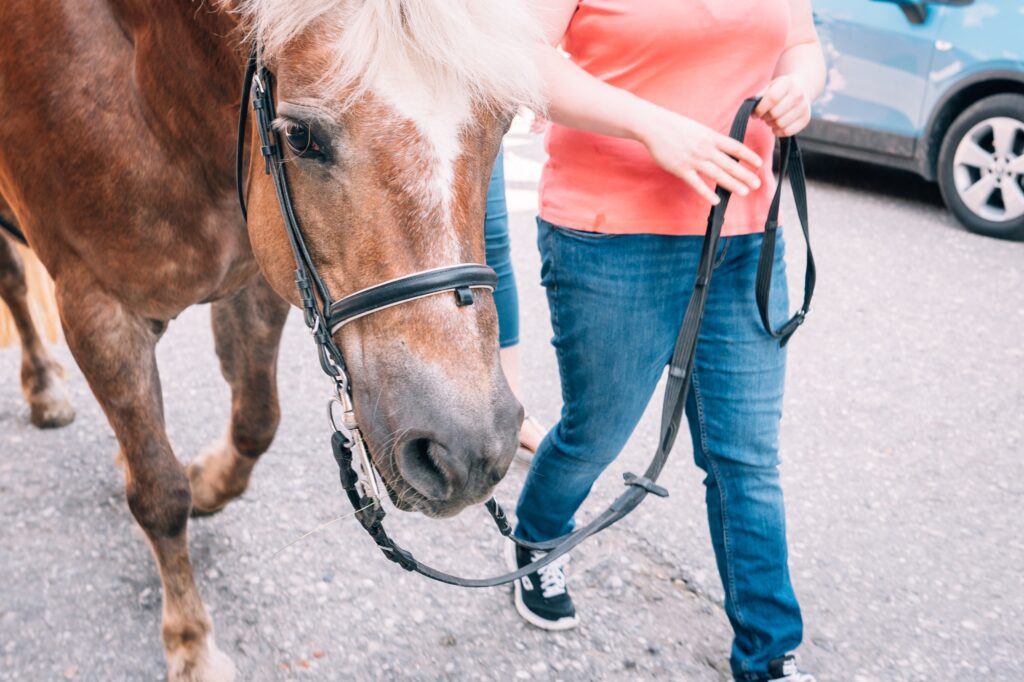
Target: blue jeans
506, 298
616, 305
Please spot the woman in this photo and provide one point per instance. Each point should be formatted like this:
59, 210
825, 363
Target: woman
636, 148
506, 298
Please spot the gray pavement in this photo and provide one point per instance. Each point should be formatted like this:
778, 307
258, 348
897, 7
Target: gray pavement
903, 442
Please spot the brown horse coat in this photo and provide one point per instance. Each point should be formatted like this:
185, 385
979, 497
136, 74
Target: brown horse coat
117, 131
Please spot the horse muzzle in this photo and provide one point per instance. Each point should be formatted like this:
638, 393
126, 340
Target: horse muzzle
446, 452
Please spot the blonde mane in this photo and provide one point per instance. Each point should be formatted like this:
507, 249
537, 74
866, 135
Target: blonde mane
484, 48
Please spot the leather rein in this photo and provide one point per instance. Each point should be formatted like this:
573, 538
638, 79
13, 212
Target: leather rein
323, 315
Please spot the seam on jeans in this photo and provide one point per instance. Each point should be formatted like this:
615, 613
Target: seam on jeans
698, 399
555, 326
722, 497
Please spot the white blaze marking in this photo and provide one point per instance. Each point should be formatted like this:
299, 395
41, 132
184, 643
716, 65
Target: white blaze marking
439, 119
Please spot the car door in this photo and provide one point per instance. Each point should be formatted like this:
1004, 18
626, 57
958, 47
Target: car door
878, 55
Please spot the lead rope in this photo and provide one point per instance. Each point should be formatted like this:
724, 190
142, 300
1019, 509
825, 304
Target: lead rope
347, 443
790, 163
676, 391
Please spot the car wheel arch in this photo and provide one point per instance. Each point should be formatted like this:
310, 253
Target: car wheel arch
954, 102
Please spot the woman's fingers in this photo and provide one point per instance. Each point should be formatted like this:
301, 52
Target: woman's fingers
775, 93
738, 150
721, 178
789, 103
701, 157
784, 107
792, 123
694, 180
737, 170
725, 171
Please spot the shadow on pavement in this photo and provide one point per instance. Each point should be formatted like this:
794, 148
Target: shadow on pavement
871, 178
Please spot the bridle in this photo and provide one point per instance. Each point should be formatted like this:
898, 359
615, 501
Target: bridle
323, 315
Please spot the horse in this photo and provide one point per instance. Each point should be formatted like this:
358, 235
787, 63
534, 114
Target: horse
117, 136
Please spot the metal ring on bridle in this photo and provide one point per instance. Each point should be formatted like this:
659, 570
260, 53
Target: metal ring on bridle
343, 429
323, 315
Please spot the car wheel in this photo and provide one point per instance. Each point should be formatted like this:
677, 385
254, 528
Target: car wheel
981, 167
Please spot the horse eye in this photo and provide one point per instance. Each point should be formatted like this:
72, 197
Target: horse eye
302, 142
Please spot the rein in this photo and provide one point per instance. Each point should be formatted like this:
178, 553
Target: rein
323, 315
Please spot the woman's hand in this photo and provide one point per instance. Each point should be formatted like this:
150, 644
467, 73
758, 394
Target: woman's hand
697, 154
785, 107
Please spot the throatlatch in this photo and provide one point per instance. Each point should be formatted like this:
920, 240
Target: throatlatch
323, 315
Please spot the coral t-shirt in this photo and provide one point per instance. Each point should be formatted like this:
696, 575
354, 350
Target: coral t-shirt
700, 58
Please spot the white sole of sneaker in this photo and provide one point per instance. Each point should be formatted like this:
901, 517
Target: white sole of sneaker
526, 614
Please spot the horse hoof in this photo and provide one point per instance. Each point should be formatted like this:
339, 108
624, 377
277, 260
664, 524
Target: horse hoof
207, 664
198, 513
216, 477
51, 412
205, 502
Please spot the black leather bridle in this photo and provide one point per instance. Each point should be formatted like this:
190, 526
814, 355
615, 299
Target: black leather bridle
322, 315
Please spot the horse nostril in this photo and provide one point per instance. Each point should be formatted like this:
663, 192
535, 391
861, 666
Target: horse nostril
420, 461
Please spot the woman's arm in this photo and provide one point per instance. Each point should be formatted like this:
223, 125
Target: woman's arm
687, 149
799, 76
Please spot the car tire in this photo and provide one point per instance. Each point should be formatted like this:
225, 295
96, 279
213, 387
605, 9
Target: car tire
981, 167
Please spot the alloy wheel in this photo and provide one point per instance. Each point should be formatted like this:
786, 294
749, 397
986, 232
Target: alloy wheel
988, 169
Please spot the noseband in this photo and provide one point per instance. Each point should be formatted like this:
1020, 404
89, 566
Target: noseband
323, 315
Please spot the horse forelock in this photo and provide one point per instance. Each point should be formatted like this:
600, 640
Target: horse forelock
483, 50
434, 63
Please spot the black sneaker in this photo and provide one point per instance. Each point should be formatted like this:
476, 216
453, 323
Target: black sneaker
784, 670
541, 597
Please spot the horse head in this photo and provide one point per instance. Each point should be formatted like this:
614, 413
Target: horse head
390, 114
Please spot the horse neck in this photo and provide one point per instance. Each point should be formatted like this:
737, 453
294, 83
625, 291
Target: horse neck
180, 36
188, 70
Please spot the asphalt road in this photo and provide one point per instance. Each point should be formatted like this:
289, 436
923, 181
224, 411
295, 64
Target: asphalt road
903, 473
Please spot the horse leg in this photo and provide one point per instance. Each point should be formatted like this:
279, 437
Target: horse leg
247, 332
41, 375
115, 350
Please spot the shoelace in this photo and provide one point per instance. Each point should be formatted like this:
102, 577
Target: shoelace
552, 576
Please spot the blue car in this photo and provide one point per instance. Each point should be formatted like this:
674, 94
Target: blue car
932, 87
